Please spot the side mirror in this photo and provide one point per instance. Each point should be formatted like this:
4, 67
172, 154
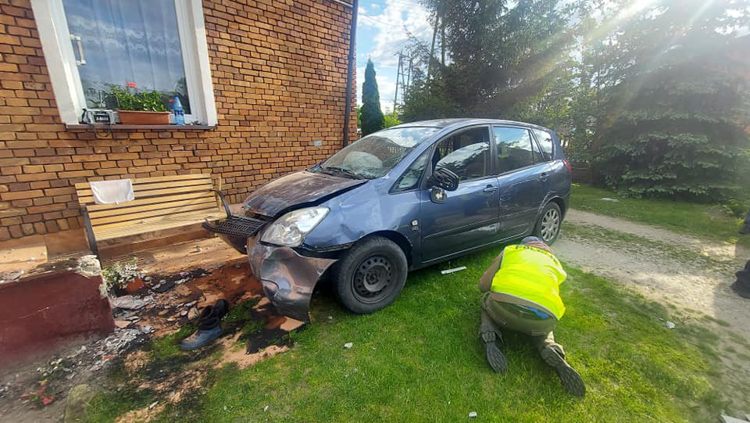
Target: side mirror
445, 179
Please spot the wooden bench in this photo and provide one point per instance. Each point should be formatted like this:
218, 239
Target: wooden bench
161, 203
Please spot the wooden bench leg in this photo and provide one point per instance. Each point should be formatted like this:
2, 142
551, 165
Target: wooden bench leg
90, 232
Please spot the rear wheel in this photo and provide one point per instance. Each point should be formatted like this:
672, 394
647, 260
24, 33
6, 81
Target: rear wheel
548, 226
370, 276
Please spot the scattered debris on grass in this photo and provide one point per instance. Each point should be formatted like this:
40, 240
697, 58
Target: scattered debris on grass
472, 414
454, 270
144, 348
348, 345
669, 325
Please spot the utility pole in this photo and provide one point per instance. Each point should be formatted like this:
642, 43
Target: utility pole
442, 42
398, 73
408, 75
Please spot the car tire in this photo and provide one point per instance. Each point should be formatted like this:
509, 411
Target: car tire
371, 275
549, 223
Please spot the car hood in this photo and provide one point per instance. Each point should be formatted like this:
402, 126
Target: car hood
296, 190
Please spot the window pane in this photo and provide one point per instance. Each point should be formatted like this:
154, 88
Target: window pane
538, 157
467, 154
410, 178
134, 45
545, 141
513, 148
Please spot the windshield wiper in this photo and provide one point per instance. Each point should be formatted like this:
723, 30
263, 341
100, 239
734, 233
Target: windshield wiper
342, 171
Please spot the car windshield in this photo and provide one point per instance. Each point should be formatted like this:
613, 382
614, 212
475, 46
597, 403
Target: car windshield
375, 155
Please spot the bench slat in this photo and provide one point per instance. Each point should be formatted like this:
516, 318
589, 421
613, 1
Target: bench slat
143, 189
152, 200
84, 185
124, 211
137, 217
117, 230
155, 193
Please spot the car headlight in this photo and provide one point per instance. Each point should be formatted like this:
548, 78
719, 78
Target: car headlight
290, 229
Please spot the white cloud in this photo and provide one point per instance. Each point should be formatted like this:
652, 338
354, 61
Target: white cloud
392, 24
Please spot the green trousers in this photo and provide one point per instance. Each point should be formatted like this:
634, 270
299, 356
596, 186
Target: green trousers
497, 315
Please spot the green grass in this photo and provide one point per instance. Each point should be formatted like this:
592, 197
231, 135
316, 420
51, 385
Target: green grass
420, 360
702, 220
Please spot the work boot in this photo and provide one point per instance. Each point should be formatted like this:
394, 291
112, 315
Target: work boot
742, 285
495, 357
220, 308
571, 380
208, 330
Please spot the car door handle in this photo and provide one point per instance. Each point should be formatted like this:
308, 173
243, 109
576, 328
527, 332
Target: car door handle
544, 176
489, 189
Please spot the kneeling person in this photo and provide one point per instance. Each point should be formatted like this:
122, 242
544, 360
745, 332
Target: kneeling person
521, 293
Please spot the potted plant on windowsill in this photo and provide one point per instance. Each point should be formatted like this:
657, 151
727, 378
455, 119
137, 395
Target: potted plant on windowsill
145, 108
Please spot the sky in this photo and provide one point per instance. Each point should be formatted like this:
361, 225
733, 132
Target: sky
382, 31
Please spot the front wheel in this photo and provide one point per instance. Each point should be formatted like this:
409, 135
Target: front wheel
371, 275
548, 226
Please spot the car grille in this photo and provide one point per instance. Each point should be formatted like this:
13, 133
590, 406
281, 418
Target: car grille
237, 226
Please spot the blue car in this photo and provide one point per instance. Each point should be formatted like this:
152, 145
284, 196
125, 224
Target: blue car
398, 200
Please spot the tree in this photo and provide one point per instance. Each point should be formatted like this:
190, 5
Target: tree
675, 103
502, 53
372, 116
391, 119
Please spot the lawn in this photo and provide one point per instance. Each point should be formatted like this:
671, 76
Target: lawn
702, 220
420, 360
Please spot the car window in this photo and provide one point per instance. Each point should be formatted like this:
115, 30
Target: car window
545, 141
514, 148
466, 153
410, 178
536, 153
376, 154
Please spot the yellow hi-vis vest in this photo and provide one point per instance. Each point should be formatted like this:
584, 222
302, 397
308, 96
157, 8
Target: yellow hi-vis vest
532, 274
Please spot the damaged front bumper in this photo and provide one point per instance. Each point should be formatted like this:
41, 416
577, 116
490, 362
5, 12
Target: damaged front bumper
288, 278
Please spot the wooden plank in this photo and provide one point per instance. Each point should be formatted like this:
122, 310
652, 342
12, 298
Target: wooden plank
142, 188
152, 200
157, 193
117, 230
157, 220
84, 185
137, 217
170, 205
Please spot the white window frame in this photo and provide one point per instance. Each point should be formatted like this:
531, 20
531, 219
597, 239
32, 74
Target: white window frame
63, 71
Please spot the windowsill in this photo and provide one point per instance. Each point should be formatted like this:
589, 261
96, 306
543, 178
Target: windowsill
120, 127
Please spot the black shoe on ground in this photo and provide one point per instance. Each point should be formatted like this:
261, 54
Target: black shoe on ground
745, 230
220, 308
208, 330
741, 290
495, 357
571, 380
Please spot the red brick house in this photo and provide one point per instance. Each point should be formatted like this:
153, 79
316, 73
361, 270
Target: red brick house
265, 81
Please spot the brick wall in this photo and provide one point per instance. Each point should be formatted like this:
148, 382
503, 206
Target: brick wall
279, 74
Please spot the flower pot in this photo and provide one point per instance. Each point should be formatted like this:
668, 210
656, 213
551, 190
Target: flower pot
130, 117
134, 286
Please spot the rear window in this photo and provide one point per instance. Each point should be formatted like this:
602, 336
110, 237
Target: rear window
546, 143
